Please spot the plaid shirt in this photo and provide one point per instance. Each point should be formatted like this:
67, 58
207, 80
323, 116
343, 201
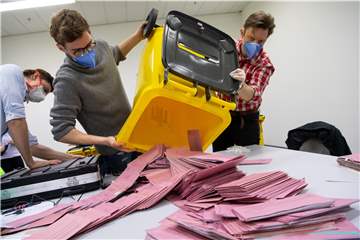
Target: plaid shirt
258, 72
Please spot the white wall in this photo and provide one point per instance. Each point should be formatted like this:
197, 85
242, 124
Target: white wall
38, 50
315, 50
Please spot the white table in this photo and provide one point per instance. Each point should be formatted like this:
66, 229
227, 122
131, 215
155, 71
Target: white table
323, 174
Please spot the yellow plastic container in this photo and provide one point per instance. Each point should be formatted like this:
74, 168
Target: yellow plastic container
164, 111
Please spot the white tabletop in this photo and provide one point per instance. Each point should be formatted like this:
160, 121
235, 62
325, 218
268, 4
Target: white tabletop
323, 174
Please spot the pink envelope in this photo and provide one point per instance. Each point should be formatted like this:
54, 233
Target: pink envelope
355, 157
255, 161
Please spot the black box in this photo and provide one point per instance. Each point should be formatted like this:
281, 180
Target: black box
68, 178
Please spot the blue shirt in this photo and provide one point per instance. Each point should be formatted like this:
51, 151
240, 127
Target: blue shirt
12, 94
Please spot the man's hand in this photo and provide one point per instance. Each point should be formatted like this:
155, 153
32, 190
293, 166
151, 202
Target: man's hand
42, 163
238, 74
140, 31
111, 142
54, 162
245, 92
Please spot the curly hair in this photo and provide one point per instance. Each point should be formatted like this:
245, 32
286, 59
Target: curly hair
67, 25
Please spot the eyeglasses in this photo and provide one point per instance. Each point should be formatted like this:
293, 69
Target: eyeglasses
81, 51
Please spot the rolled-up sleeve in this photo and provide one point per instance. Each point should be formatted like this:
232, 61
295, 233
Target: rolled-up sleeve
67, 105
118, 56
6, 139
260, 79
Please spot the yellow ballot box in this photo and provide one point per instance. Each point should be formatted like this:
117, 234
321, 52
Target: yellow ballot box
184, 64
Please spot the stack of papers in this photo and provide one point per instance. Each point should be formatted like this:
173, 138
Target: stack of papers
205, 188
200, 184
289, 217
279, 207
217, 200
259, 187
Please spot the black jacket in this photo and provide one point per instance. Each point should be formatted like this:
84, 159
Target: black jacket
329, 135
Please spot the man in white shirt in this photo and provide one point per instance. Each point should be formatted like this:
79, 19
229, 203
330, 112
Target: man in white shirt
16, 87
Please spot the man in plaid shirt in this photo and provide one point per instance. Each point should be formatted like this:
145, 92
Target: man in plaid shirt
254, 72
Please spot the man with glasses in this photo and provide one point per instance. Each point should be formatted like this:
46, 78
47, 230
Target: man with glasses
88, 86
17, 86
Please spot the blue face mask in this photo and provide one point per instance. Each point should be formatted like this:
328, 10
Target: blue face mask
87, 59
252, 49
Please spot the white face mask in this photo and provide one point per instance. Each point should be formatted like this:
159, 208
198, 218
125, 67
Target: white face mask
36, 95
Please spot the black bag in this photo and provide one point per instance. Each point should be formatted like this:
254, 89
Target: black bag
326, 133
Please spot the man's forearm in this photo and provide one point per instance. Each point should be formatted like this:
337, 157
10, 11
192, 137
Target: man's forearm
44, 152
19, 133
76, 137
126, 46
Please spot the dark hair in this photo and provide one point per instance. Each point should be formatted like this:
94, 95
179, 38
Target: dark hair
260, 19
43, 75
67, 25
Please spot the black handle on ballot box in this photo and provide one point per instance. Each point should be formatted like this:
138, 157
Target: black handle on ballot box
151, 20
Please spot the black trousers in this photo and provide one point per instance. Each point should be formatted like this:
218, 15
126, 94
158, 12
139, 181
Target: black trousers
115, 164
243, 130
10, 164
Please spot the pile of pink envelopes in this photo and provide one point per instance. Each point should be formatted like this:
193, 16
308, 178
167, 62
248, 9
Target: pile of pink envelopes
259, 187
217, 200
306, 215
125, 195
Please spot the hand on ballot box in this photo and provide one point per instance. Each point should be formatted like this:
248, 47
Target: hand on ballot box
111, 142
238, 74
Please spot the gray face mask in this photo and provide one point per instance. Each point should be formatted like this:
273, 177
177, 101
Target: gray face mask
36, 95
